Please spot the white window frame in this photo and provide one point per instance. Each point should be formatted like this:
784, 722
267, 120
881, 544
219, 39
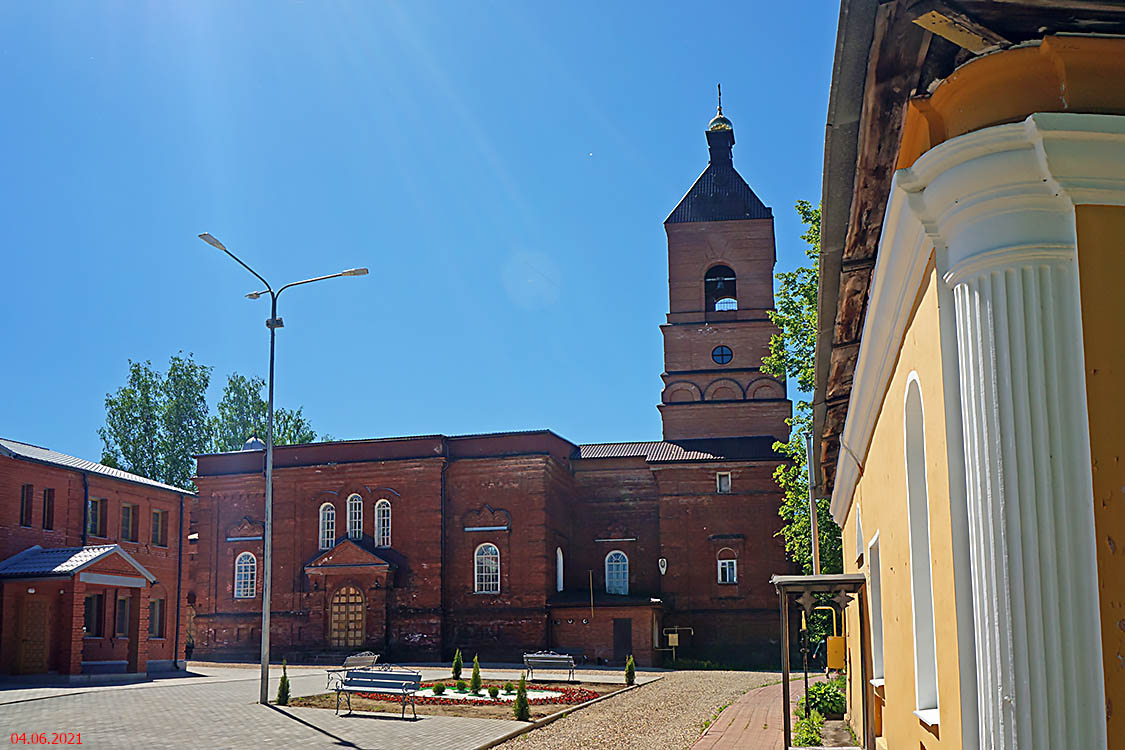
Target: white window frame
921, 572
558, 569
327, 527
355, 517
383, 523
484, 582
732, 564
616, 578
875, 599
245, 576
719, 476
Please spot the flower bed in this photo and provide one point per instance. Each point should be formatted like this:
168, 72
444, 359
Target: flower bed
564, 695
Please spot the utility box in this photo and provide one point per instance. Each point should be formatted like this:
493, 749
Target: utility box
835, 656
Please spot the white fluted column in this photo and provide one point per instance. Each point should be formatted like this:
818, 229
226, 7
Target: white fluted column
1002, 221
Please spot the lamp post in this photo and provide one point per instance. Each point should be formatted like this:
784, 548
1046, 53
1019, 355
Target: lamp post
273, 324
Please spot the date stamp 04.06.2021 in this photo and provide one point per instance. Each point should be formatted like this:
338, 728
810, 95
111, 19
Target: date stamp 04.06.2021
46, 738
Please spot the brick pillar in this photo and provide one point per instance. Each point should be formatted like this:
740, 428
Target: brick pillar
71, 635
138, 631
9, 627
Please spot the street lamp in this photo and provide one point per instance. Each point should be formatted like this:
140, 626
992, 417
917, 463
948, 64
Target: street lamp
273, 324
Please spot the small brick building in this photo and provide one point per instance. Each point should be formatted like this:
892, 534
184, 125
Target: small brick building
497, 544
90, 566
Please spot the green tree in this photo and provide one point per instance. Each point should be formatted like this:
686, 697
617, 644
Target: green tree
156, 422
474, 681
241, 414
520, 707
630, 671
791, 355
283, 686
458, 664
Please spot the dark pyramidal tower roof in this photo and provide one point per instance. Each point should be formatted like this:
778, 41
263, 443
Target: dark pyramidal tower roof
720, 193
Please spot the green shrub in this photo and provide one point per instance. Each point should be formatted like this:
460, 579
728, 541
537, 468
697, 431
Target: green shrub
439, 688
283, 686
462, 687
457, 664
806, 731
474, 681
630, 671
509, 688
493, 692
520, 707
826, 698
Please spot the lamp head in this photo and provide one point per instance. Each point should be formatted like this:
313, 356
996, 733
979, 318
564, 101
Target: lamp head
210, 240
253, 295
355, 272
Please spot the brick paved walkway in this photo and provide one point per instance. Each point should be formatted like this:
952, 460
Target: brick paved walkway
218, 709
753, 721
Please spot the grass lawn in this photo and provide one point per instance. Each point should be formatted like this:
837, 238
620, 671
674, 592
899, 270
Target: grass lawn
483, 710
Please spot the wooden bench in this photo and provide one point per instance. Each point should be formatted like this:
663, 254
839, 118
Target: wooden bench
548, 660
382, 679
362, 660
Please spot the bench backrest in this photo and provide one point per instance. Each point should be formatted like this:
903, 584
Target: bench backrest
382, 681
361, 660
548, 659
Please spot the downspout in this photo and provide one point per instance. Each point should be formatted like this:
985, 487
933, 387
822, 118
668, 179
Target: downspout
179, 584
444, 574
85, 506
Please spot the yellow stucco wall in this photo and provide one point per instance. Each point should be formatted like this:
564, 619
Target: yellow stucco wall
880, 498
1101, 268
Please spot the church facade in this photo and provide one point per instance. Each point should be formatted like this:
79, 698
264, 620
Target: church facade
502, 543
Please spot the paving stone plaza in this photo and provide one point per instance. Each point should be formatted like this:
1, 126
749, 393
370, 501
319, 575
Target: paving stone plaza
216, 707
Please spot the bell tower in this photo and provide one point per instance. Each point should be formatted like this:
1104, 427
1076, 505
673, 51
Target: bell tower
720, 287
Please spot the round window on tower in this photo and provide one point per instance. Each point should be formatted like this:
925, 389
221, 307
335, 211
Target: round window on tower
722, 355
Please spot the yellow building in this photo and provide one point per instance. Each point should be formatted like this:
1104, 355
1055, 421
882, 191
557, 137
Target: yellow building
970, 396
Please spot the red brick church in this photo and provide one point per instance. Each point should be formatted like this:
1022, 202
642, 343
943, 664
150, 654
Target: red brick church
497, 544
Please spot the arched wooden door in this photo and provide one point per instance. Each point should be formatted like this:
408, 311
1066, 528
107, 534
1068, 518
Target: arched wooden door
346, 618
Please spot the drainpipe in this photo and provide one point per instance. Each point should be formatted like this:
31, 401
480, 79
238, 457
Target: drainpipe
85, 506
179, 584
444, 573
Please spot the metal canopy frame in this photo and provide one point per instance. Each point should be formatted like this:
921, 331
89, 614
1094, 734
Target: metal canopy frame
802, 590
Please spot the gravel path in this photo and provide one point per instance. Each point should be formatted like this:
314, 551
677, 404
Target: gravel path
667, 714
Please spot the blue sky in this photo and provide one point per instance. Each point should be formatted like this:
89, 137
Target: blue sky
503, 168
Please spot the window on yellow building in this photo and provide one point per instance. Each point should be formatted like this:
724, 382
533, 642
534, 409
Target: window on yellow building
921, 574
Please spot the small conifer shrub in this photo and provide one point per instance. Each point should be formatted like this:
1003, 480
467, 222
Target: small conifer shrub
283, 686
474, 681
462, 687
493, 692
457, 665
439, 688
520, 707
630, 671
509, 688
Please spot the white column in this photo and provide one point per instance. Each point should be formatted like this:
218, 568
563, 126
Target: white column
999, 206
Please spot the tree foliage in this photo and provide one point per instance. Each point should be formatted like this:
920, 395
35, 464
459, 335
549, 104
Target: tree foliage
158, 421
242, 412
791, 355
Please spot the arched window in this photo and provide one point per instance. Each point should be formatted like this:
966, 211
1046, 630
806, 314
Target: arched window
921, 575
245, 576
728, 566
616, 573
327, 526
558, 569
383, 523
355, 517
486, 568
719, 289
